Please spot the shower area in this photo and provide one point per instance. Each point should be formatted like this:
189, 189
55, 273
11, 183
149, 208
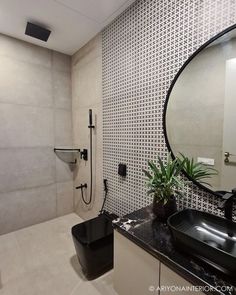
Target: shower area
50, 130
45, 98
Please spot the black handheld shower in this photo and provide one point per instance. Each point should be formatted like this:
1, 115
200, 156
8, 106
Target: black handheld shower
90, 117
90, 126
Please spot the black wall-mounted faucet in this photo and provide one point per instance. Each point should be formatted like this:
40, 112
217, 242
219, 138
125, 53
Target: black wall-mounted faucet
81, 186
227, 204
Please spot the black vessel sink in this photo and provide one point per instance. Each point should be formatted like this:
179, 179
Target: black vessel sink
208, 237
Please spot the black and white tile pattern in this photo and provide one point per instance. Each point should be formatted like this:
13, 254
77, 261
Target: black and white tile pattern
142, 51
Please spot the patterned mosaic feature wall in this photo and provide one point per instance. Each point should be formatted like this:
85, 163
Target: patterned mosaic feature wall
142, 51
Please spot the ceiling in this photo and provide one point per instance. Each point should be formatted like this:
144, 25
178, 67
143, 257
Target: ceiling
72, 22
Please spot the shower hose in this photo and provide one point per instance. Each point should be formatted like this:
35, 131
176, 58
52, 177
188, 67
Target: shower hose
91, 171
91, 181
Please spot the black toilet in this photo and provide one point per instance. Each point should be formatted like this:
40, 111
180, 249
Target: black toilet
93, 241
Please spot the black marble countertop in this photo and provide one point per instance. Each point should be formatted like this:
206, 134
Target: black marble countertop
154, 237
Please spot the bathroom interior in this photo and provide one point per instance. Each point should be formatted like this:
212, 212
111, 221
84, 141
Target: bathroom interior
117, 147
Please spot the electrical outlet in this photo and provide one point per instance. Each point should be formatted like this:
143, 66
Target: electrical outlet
206, 161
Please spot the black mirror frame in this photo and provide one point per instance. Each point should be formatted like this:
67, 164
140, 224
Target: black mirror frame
208, 190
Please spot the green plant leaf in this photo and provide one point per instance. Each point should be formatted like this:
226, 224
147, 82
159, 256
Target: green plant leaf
147, 173
163, 180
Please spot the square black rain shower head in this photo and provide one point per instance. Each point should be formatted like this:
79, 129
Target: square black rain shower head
37, 32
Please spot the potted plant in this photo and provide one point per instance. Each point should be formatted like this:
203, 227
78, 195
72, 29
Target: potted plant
164, 185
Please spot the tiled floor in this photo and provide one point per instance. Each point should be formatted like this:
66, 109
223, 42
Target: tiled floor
40, 260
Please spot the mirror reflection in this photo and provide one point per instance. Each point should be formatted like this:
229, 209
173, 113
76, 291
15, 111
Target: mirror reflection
200, 116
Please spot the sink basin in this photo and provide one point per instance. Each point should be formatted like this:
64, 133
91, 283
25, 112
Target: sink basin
208, 237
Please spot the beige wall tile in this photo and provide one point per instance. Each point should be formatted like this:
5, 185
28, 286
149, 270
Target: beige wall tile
80, 127
24, 126
62, 89
64, 171
63, 128
35, 87
25, 83
26, 168
87, 84
81, 176
23, 208
24, 51
61, 62
91, 51
65, 200
86, 94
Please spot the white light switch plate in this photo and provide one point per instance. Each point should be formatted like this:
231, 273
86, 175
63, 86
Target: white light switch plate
207, 161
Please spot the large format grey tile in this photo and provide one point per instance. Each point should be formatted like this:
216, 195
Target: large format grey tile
12, 263
25, 126
24, 51
24, 83
30, 206
82, 173
46, 251
64, 171
51, 241
62, 89
101, 286
61, 62
89, 52
45, 262
80, 127
63, 127
87, 84
26, 168
65, 198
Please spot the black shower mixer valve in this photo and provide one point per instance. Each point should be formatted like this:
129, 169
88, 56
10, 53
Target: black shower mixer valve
84, 154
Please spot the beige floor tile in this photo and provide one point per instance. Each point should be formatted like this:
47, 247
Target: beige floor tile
41, 260
11, 262
100, 286
47, 242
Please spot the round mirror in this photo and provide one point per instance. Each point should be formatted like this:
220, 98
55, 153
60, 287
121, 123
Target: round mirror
199, 118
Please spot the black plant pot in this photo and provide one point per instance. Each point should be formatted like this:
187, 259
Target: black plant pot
161, 211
